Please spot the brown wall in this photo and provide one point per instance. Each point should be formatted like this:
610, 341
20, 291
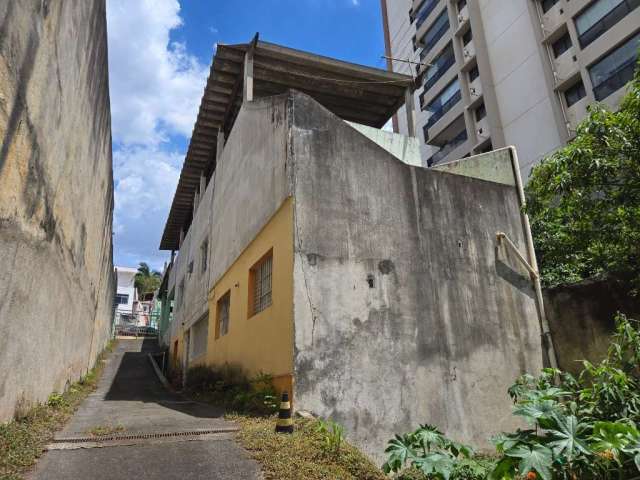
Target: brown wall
581, 318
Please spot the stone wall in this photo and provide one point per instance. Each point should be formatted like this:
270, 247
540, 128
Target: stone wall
56, 196
406, 310
581, 319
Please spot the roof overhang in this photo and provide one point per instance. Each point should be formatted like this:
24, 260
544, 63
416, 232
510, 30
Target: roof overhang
357, 93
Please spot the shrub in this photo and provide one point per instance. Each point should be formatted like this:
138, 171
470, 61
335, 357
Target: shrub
581, 428
230, 386
332, 434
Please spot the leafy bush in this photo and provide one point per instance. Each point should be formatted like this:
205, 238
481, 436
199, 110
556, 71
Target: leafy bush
333, 435
584, 200
230, 386
432, 454
581, 428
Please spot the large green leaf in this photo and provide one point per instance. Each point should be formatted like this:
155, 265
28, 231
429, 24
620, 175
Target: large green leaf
537, 410
435, 464
569, 439
400, 450
505, 469
537, 458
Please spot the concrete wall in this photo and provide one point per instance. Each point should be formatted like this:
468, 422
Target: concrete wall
250, 184
56, 196
405, 310
581, 318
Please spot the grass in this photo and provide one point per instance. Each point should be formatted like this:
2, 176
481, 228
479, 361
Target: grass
102, 430
22, 440
302, 454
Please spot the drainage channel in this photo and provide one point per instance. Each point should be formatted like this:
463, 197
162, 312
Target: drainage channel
72, 443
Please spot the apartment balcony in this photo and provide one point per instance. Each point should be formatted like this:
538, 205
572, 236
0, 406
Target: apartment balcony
446, 127
576, 112
424, 11
553, 19
475, 92
429, 94
565, 67
607, 22
454, 150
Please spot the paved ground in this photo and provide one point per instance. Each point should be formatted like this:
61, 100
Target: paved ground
158, 434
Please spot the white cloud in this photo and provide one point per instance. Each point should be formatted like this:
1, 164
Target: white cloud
155, 89
155, 85
145, 179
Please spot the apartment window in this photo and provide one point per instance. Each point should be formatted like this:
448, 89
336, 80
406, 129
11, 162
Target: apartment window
481, 112
435, 33
180, 294
461, 5
444, 102
562, 45
615, 70
424, 11
473, 74
260, 284
467, 37
600, 16
204, 254
575, 93
547, 5
222, 315
122, 299
439, 67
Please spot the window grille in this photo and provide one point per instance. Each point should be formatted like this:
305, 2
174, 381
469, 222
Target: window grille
204, 252
262, 284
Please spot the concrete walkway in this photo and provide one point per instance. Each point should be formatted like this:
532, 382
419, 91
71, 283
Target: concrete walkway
153, 433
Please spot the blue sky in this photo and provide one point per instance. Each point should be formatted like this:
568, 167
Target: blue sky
159, 57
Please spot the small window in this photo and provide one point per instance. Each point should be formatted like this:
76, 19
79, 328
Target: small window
547, 5
190, 267
461, 4
562, 45
260, 283
180, 294
222, 315
467, 37
204, 253
481, 112
122, 299
487, 148
474, 73
575, 93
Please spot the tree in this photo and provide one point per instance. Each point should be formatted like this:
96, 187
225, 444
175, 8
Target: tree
584, 200
146, 280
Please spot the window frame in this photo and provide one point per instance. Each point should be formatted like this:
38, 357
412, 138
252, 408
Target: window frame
120, 296
222, 301
580, 93
257, 273
562, 45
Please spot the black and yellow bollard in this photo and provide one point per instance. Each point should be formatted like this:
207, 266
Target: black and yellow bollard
285, 422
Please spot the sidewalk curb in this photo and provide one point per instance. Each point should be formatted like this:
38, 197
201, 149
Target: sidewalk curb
159, 374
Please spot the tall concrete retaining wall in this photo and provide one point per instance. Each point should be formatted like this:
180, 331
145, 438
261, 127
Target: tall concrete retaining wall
581, 319
56, 196
406, 310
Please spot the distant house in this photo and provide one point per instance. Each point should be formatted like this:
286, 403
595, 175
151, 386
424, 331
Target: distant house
126, 294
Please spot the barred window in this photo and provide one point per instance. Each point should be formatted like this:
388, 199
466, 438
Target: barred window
261, 284
222, 325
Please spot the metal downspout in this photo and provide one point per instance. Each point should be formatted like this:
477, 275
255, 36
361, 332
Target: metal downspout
542, 317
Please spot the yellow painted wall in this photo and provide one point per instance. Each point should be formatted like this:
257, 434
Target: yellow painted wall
263, 342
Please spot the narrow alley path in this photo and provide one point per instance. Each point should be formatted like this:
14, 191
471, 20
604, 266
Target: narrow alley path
154, 433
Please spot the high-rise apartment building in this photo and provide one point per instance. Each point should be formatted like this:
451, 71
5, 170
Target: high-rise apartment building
493, 73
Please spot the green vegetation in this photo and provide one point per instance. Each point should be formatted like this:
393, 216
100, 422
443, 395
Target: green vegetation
22, 441
583, 427
230, 387
584, 200
146, 280
333, 435
302, 454
103, 430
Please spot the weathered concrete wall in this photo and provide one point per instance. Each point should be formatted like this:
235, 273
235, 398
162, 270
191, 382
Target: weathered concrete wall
405, 310
581, 319
56, 196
